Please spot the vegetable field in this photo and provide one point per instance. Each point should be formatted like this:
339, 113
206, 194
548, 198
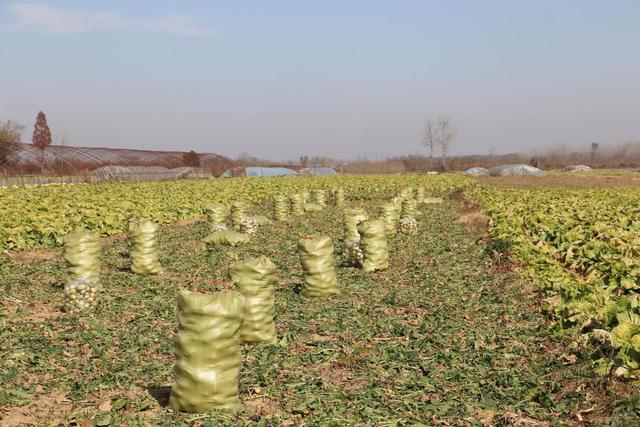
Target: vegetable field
583, 249
468, 325
38, 217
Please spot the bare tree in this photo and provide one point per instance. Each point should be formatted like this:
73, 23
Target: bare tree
446, 133
429, 140
10, 133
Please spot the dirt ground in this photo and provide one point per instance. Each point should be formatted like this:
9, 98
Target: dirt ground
606, 179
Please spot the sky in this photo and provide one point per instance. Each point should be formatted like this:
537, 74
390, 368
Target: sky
344, 79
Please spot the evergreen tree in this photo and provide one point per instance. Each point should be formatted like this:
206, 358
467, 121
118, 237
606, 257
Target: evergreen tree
41, 132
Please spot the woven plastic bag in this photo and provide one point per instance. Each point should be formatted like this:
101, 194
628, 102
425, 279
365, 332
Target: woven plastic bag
388, 215
143, 242
312, 207
374, 245
297, 204
82, 254
207, 350
216, 215
228, 238
316, 257
238, 212
338, 197
254, 278
409, 208
280, 207
320, 197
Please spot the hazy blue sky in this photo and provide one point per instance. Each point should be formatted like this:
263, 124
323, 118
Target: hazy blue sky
279, 79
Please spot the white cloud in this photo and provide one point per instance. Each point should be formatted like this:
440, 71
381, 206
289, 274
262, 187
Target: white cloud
45, 18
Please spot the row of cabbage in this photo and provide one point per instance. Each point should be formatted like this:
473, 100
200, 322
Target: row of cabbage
39, 217
582, 247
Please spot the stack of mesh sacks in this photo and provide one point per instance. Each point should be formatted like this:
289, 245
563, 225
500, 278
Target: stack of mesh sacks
207, 350
353, 217
280, 207
217, 216
143, 243
374, 245
316, 257
297, 204
254, 278
82, 254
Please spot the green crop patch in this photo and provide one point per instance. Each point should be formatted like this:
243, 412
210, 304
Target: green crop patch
443, 336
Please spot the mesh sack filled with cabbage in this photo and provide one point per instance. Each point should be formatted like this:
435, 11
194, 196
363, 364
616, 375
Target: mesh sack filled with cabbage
216, 215
320, 197
397, 201
226, 238
262, 220
409, 208
339, 197
389, 216
407, 193
433, 200
143, 244
408, 226
81, 295
316, 257
353, 217
280, 207
373, 242
254, 278
312, 207
355, 255
297, 204
238, 212
248, 225
207, 351
82, 255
